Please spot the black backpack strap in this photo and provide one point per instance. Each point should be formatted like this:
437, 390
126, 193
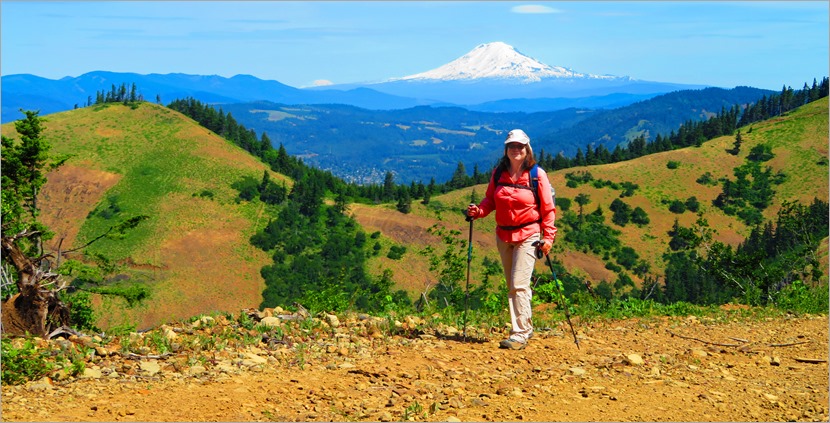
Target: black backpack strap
534, 183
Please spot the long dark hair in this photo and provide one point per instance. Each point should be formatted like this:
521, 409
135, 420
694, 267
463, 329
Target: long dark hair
504, 162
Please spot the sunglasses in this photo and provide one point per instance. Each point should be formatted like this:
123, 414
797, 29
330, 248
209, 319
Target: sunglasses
515, 145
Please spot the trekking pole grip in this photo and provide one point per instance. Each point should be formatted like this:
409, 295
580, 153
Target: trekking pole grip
467, 216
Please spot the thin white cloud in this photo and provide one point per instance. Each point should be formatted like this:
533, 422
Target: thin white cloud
534, 9
322, 82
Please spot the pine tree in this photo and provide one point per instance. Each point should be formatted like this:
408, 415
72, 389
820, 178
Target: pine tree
388, 187
736, 146
459, 178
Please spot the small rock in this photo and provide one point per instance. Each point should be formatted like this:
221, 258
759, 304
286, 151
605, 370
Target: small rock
597, 389
149, 367
634, 360
271, 322
41, 385
196, 370
255, 358
577, 371
332, 320
479, 402
510, 391
170, 334
225, 367
90, 373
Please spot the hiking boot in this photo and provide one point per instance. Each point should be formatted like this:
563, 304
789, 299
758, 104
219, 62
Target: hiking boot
512, 344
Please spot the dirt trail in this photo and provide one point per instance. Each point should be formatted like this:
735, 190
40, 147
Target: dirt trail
665, 369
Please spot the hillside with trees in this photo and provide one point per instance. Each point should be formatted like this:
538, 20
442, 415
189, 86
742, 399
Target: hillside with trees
628, 228
119, 162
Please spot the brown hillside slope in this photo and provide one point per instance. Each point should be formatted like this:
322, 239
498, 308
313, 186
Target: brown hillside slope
193, 252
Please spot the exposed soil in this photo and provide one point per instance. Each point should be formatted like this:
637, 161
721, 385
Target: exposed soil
70, 195
661, 369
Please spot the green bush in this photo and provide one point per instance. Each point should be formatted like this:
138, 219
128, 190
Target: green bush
639, 217
396, 252
707, 179
760, 153
205, 193
692, 204
677, 206
81, 313
248, 188
23, 364
800, 298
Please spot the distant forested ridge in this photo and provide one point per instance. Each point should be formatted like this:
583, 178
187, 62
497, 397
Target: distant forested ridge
689, 134
361, 145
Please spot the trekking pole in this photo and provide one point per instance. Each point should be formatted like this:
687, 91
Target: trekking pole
467, 288
561, 291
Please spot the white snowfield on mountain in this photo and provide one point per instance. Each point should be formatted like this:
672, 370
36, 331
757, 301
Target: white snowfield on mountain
499, 60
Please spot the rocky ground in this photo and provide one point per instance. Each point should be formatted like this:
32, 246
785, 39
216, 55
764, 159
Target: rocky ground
277, 367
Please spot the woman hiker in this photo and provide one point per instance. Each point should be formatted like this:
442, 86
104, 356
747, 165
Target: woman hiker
521, 221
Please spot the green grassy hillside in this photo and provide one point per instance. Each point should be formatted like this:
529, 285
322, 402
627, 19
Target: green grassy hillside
798, 140
193, 250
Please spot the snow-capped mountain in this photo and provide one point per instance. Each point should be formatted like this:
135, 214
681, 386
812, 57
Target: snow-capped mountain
497, 77
498, 60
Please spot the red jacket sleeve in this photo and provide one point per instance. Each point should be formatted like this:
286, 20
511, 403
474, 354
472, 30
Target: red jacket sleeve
488, 203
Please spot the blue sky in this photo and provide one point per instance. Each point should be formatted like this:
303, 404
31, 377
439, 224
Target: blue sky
764, 44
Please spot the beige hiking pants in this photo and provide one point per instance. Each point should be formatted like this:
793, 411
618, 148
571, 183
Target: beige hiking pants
518, 260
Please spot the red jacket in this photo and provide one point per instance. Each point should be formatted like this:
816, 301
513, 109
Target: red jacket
516, 206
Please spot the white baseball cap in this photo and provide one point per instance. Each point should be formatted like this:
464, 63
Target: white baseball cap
517, 135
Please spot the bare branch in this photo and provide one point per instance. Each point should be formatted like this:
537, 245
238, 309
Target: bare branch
705, 342
63, 330
809, 360
788, 344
